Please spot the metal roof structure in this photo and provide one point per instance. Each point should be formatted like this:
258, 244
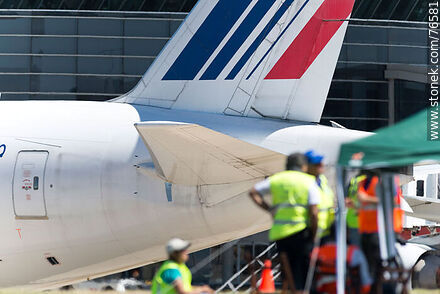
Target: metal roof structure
412, 10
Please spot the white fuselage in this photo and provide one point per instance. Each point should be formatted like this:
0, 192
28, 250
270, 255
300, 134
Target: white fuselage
93, 210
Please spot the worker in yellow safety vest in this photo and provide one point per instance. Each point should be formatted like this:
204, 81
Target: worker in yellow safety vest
295, 199
326, 215
353, 204
174, 277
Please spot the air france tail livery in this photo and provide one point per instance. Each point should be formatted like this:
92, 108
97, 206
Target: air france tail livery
249, 58
89, 189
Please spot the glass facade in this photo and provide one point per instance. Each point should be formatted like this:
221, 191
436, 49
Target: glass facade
114, 5
415, 10
410, 97
359, 97
98, 55
84, 58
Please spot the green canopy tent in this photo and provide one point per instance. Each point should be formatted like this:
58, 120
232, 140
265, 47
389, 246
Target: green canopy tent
400, 145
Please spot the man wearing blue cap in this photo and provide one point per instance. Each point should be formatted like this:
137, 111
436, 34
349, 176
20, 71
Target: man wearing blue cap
326, 213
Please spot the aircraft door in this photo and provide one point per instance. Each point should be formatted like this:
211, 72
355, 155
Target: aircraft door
28, 185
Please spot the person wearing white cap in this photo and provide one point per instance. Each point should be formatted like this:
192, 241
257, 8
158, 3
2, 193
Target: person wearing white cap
174, 277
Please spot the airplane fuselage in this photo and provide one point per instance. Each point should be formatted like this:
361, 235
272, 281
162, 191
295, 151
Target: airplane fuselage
75, 205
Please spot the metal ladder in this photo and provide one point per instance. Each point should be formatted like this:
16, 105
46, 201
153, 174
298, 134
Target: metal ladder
260, 264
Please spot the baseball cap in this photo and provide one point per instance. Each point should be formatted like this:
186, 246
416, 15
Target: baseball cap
313, 157
177, 244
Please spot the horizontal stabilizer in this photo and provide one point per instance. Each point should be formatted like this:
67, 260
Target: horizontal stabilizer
426, 208
192, 155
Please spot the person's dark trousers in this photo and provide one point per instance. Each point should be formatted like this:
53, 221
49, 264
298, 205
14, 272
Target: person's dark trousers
353, 237
371, 249
298, 247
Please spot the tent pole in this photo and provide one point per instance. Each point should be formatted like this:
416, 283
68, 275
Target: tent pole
389, 216
341, 237
387, 238
381, 213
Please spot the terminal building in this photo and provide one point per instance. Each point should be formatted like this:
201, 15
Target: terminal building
99, 49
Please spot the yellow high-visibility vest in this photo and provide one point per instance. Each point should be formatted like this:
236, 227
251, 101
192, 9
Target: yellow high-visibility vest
352, 213
290, 195
326, 215
160, 287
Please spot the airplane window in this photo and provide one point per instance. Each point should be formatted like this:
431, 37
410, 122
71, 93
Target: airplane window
420, 191
168, 190
36, 183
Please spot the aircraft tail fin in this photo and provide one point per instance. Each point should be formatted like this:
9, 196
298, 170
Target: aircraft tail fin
272, 58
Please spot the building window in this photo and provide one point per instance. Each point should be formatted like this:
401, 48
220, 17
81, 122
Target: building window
410, 97
115, 5
403, 9
385, 9
419, 12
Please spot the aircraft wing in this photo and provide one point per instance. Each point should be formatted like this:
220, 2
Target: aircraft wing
432, 240
424, 208
192, 155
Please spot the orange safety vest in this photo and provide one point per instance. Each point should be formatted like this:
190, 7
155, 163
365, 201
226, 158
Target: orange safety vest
326, 269
368, 211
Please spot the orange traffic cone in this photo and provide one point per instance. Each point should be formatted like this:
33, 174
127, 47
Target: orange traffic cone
267, 284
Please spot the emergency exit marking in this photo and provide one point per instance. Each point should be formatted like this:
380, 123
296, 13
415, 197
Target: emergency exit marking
19, 232
26, 185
